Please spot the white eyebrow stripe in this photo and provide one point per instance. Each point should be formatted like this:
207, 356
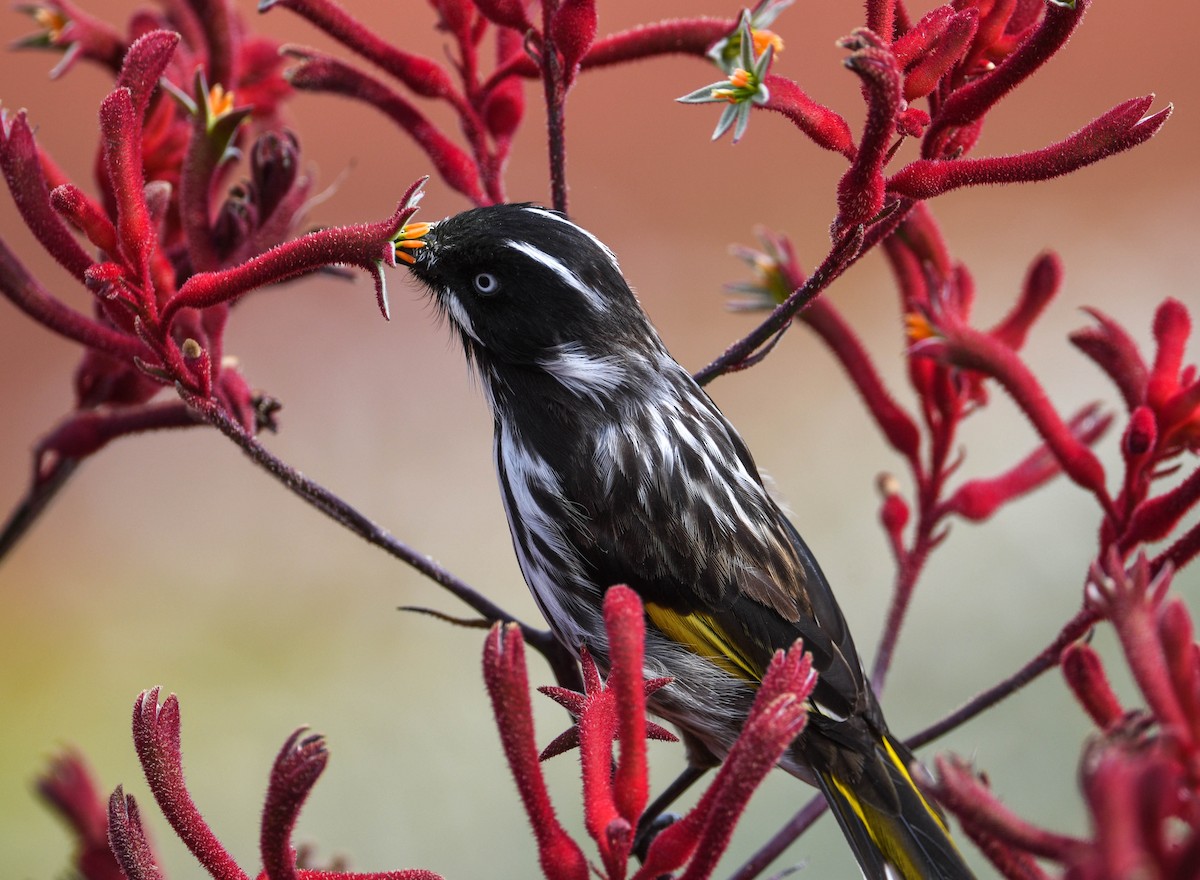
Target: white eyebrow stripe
559, 268
551, 215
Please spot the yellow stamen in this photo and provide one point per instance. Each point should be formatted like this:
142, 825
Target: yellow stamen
739, 79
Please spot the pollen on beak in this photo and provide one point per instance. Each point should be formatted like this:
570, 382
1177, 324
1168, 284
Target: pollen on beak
410, 240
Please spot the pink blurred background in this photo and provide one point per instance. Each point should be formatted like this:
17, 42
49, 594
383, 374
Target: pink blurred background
171, 560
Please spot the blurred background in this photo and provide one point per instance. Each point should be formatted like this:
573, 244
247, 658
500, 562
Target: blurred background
171, 560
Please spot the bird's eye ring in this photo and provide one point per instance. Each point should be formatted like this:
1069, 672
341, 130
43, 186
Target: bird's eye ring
486, 283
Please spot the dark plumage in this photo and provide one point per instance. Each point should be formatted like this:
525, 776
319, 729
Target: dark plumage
615, 467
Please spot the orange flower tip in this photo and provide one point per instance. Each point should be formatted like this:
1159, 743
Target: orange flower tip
51, 21
764, 40
405, 257
739, 79
918, 328
414, 231
219, 101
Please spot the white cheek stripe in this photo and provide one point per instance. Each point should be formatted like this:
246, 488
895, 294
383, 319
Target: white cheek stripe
457, 313
558, 268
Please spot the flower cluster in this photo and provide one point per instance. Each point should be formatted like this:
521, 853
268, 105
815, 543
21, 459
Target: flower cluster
610, 715
164, 262
1138, 771
112, 841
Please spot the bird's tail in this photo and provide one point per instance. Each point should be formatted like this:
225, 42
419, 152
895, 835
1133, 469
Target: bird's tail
893, 830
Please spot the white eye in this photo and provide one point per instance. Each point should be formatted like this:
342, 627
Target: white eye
486, 283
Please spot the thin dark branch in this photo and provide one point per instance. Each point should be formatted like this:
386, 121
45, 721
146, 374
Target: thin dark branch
41, 493
561, 661
552, 79
1048, 658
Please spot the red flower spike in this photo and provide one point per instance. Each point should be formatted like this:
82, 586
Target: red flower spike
67, 786
128, 839
775, 720
425, 77
573, 29
1176, 633
822, 125
1120, 129
1131, 600
971, 349
1114, 351
156, 738
1084, 673
145, 62
971, 102
365, 245
508, 686
34, 300
1128, 794
297, 766
85, 215
978, 499
85, 432
861, 189
930, 66
1172, 326
597, 727
1155, 518
924, 36
962, 792
625, 624
325, 74
690, 36
1042, 282
121, 128
22, 168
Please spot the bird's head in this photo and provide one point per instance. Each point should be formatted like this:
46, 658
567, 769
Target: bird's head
525, 287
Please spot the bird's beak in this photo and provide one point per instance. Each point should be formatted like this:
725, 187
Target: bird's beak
410, 241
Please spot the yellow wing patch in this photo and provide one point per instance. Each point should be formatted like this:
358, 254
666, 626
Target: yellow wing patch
705, 637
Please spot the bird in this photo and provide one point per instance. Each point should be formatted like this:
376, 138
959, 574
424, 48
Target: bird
615, 467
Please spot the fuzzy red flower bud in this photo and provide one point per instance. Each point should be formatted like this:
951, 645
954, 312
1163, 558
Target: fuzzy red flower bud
1084, 673
954, 33
1041, 284
1115, 352
1141, 434
573, 30
1171, 329
825, 127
